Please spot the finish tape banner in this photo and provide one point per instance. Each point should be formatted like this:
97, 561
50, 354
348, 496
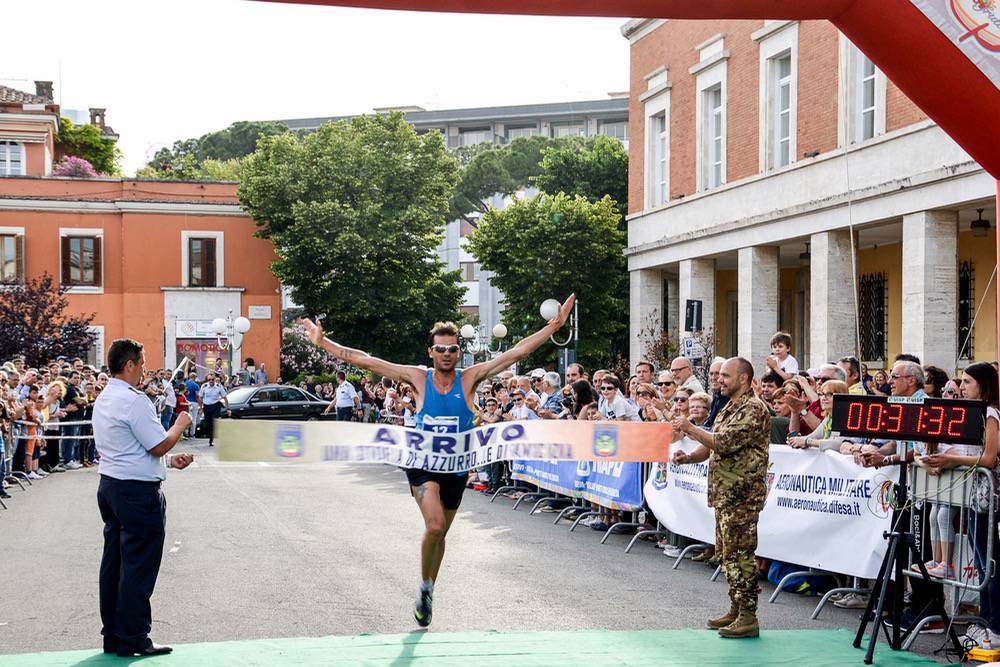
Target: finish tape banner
548, 440
613, 484
822, 510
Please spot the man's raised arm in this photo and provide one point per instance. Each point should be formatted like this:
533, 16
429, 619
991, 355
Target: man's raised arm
524, 347
411, 374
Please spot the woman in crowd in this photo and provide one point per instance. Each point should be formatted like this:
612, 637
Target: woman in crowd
681, 405
378, 398
880, 385
698, 407
934, 381
632, 384
979, 382
645, 395
583, 397
51, 413
952, 389
821, 437
406, 400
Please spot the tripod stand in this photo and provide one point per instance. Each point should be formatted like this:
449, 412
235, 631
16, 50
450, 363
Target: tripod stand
901, 544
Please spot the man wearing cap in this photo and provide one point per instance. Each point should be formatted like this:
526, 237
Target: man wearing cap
133, 447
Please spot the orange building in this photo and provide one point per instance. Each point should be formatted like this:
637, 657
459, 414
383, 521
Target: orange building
153, 260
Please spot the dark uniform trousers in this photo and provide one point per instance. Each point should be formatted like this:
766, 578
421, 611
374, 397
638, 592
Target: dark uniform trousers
135, 518
211, 413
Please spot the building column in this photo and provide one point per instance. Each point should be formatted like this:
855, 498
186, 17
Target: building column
930, 286
758, 304
645, 311
696, 281
833, 332
670, 284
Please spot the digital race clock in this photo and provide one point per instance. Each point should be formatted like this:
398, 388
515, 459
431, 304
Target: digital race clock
909, 418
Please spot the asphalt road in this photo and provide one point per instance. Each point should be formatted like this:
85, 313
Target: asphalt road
264, 551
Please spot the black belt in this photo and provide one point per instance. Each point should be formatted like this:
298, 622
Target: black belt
142, 482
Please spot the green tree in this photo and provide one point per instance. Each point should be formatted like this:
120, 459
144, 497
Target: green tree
591, 167
212, 156
87, 142
488, 169
209, 170
550, 246
356, 212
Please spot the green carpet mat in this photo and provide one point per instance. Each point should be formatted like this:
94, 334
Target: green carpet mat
662, 648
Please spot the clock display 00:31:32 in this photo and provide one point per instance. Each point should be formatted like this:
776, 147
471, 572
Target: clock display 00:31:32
933, 420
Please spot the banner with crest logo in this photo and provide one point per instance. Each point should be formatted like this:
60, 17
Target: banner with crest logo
822, 510
441, 450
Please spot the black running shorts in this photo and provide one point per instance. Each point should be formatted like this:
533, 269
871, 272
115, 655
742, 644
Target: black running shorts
452, 485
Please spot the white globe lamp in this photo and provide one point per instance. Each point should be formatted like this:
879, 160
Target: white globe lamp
219, 326
468, 331
241, 325
549, 309
500, 331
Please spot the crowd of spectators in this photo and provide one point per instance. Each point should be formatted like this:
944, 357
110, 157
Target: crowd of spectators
800, 402
45, 410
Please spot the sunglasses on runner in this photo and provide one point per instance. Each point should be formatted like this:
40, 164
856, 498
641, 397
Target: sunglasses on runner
441, 349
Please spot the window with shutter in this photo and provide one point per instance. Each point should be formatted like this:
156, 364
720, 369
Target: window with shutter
81, 261
201, 262
11, 258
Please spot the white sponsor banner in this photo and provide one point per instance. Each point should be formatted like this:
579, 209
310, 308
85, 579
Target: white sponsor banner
973, 26
822, 510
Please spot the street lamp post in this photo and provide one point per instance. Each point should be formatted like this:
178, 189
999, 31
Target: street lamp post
549, 310
476, 340
229, 334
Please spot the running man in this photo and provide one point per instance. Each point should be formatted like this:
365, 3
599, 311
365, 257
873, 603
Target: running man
444, 403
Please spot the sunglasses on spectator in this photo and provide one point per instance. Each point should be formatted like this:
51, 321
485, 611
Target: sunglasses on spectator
607, 388
644, 394
518, 400
665, 384
949, 392
825, 394
680, 399
441, 349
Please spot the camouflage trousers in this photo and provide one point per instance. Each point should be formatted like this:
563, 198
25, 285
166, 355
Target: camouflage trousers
735, 545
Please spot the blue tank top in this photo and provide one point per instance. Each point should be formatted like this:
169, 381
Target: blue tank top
444, 413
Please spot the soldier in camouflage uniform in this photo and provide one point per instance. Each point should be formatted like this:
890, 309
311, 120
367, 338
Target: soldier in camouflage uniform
737, 485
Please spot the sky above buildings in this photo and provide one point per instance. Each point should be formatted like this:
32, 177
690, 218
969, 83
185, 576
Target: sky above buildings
174, 70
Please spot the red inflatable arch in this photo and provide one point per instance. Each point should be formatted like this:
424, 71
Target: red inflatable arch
944, 54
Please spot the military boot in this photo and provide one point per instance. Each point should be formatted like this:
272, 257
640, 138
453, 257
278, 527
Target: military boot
723, 621
745, 625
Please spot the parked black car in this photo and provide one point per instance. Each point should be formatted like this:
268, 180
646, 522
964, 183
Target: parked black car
276, 401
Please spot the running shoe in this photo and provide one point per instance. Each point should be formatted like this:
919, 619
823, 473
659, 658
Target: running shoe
422, 611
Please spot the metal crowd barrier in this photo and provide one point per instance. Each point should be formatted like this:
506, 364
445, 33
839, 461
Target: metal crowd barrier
959, 496
20, 433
